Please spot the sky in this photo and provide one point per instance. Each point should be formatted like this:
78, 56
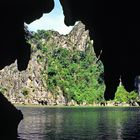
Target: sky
51, 21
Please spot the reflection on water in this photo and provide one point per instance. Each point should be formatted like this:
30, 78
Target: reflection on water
80, 123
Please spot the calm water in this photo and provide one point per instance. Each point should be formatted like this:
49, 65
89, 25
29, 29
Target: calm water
80, 123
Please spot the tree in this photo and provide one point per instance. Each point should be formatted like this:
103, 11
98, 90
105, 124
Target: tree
121, 94
132, 96
78, 78
76, 73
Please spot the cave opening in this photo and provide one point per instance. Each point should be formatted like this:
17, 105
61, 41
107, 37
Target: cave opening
115, 35
30, 86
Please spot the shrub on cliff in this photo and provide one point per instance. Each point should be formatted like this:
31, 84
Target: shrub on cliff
76, 73
122, 95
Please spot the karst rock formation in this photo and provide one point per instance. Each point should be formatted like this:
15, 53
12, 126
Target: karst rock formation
113, 25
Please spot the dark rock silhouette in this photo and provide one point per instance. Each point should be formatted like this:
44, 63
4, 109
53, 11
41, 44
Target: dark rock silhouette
13, 46
114, 27
13, 14
9, 118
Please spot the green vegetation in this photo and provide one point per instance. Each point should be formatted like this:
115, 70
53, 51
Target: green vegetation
76, 73
122, 95
25, 92
63, 70
3, 90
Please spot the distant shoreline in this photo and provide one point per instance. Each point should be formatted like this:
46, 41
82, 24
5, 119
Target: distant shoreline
64, 106
110, 103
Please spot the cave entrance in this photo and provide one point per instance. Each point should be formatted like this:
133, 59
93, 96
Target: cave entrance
63, 69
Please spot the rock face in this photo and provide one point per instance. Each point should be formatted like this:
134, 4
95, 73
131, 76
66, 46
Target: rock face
77, 37
27, 87
10, 118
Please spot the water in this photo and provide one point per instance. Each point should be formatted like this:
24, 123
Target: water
97, 123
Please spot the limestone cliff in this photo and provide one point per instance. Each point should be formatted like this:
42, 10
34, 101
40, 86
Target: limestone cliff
28, 86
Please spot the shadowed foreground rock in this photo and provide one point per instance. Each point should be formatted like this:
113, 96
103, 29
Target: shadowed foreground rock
10, 117
13, 46
114, 26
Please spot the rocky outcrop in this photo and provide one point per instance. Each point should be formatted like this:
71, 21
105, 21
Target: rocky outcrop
13, 46
10, 118
28, 87
78, 38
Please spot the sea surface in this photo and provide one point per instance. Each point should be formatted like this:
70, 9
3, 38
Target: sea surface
80, 123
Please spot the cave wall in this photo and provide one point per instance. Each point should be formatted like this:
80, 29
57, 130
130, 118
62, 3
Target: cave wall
13, 46
114, 27
13, 15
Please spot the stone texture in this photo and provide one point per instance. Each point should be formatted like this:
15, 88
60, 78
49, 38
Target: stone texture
27, 87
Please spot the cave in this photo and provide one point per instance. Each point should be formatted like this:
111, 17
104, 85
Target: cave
14, 47
113, 25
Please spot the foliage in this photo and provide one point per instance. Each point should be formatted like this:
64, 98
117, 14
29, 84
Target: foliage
122, 95
75, 72
132, 96
41, 34
2, 90
25, 92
